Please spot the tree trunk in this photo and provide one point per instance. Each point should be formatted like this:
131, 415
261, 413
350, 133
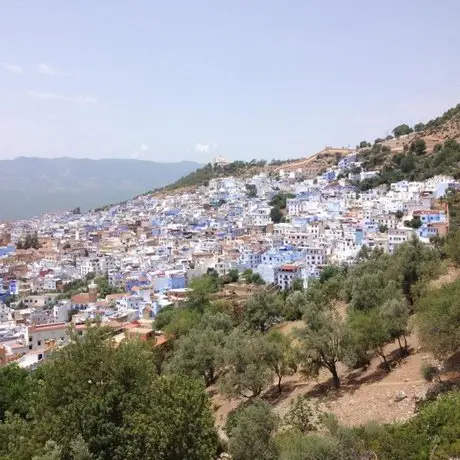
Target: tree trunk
279, 383
401, 349
335, 377
385, 362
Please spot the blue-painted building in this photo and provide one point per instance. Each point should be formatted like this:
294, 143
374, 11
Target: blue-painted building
6, 250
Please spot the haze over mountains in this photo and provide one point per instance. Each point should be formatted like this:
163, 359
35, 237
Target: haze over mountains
33, 186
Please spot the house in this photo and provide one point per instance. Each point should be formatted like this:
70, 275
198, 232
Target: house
37, 336
286, 274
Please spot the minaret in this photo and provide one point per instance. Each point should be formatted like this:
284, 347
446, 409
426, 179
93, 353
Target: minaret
92, 292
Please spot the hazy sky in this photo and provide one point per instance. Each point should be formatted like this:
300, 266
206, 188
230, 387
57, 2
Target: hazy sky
187, 79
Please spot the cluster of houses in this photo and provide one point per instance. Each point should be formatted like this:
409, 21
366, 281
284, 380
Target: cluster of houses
149, 249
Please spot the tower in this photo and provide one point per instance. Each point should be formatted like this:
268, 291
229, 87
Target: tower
92, 292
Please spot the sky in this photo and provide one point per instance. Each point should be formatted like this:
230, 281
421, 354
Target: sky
188, 80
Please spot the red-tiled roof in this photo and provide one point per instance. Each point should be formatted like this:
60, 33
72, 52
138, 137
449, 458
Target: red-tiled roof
80, 298
289, 268
47, 327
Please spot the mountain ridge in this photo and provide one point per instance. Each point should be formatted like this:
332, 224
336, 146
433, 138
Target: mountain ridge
30, 186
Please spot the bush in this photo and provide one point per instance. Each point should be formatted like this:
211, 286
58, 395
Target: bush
429, 372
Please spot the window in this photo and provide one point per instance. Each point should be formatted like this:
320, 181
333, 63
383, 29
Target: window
30, 338
40, 356
39, 342
30, 347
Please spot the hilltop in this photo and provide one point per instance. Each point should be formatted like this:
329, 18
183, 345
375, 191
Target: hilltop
386, 153
32, 186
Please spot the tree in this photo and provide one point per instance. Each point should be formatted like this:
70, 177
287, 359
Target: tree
302, 416
112, 400
297, 285
30, 241
79, 449
51, 451
182, 322
276, 215
14, 384
438, 320
414, 263
322, 340
415, 222
418, 147
252, 278
201, 288
199, 353
251, 190
248, 373
395, 313
419, 127
364, 144
399, 214
233, 275
280, 356
263, 310
402, 130
368, 331
383, 228
453, 247
294, 306
368, 290
251, 435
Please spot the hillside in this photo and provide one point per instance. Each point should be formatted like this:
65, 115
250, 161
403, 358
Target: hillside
33, 186
203, 175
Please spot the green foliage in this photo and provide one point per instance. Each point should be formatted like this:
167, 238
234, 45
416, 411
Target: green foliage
263, 310
201, 288
433, 433
418, 147
419, 127
294, 306
77, 286
415, 222
276, 215
429, 372
199, 353
294, 445
251, 190
252, 278
411, 165
232, 276
280, 200
438, 320
302, 415
15, 387
323, 338
92, 400
452, 246
280, 356
395, 314
29, 241
251, 435
446, 116
368, 332
203, 175
401, 130
364, 144
182, 321
247, 370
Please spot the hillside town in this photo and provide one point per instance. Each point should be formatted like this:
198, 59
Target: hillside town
146, 251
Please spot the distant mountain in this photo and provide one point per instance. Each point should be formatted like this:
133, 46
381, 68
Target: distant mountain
33, 186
